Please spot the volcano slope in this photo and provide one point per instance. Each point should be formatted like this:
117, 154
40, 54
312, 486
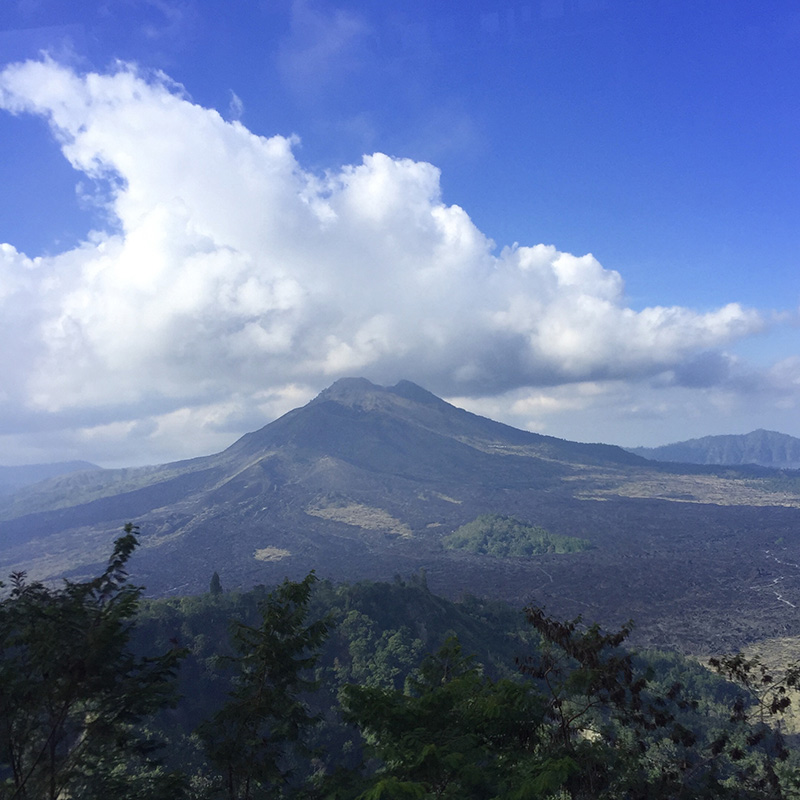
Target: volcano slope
365, 482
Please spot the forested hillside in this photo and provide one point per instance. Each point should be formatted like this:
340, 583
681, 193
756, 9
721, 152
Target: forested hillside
311, 690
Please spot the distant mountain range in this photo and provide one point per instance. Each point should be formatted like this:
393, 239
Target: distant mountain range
765, 448
13, 478
367, 482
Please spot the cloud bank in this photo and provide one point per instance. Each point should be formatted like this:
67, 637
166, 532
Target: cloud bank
229, 280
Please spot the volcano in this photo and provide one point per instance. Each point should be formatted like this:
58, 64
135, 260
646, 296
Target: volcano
367, 482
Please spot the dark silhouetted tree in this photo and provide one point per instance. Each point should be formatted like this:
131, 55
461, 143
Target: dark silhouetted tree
72, 694
254, 738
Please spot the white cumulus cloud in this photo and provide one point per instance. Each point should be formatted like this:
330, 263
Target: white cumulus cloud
227, 269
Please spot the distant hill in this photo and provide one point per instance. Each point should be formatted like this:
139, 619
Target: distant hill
368, 482
13, 478
765, 448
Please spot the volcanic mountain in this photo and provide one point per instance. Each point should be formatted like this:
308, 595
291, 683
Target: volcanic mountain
368, 481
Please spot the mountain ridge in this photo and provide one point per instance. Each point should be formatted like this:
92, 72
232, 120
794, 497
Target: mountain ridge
761, 447
13, 478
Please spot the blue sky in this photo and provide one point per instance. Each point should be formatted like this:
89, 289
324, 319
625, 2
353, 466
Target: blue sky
164, 291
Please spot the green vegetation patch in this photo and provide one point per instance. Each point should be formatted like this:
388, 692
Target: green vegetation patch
507, 537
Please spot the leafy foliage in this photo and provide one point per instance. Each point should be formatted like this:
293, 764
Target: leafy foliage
381, 632
506, 537
72, 694
767, 693
589, 723
634, 741
250, 737
454, 734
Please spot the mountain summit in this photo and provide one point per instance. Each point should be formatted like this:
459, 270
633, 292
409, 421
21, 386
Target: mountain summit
405, 429
362, 393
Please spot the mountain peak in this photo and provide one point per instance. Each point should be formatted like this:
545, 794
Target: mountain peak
361, 393
349, 391
416, 393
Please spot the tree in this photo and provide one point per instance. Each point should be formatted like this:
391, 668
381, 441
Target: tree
453, 734
72, 694
589, 723
754, 739
633, 740
215, 587
252, 739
